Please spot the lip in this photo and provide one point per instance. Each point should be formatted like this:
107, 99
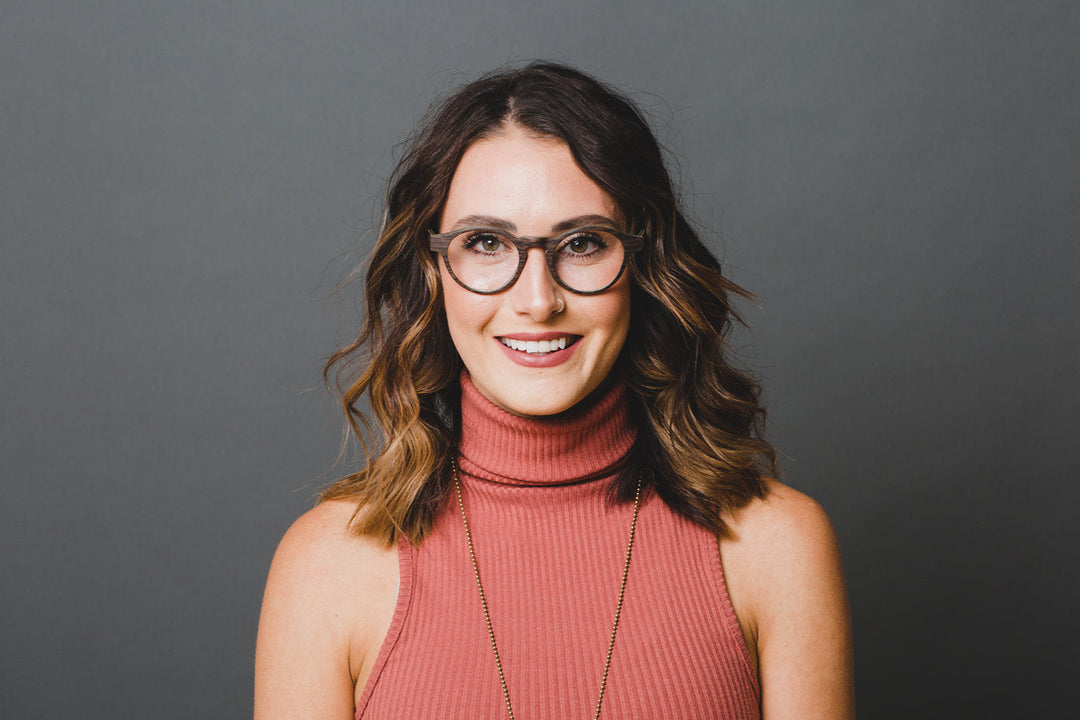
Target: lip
550, 359
539, 336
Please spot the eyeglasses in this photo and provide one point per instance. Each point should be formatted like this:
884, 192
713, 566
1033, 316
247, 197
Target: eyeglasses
585, 260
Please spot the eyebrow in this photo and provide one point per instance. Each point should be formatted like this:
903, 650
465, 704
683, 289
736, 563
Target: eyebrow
485, 221
583, 221
501, 224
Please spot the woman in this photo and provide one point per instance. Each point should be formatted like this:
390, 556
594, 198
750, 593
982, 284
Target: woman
571, 511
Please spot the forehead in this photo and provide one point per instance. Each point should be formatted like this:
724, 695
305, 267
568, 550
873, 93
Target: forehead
530, 182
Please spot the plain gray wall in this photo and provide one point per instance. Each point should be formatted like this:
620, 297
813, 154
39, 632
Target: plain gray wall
183, 182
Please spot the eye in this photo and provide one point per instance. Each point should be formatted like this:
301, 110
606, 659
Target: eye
485, 242
583, 244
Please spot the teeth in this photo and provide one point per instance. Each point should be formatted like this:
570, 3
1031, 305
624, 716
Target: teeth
536, 347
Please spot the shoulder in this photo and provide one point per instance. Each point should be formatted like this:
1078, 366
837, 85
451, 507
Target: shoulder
783, 531
779, 549
321, 542
321, 563
785, 577
329, 598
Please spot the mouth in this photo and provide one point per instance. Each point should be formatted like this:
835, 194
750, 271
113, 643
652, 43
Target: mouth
540, 347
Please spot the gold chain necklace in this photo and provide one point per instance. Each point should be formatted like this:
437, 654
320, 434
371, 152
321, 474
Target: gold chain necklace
487, 616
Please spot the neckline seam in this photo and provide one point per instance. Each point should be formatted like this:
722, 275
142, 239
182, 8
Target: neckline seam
470, 468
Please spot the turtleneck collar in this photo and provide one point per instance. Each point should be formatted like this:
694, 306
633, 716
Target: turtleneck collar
587, 442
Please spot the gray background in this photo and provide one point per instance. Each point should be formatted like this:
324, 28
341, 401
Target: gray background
184, 182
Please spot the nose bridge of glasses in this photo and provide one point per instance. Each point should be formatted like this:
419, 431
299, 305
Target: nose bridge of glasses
539, 246
529, 242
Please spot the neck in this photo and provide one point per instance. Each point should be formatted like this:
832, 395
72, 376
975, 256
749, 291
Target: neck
587, 442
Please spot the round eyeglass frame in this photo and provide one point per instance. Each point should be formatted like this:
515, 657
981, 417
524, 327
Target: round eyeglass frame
440, 243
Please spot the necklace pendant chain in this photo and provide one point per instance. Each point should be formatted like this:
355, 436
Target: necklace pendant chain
487, 615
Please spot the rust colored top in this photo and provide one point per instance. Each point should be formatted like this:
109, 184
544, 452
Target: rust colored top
550, 548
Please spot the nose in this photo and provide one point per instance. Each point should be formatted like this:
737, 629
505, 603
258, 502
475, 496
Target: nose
535, 293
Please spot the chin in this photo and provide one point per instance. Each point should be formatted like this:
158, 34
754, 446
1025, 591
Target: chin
538, 407
541, 401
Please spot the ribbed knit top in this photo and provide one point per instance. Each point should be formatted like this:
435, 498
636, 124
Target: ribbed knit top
550, 549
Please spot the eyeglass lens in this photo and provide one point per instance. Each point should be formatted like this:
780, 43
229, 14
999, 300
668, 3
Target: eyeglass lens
487, 260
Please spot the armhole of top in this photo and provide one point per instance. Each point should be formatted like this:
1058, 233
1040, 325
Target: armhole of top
714, 552
406, 559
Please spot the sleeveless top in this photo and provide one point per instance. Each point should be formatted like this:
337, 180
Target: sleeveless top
550, 549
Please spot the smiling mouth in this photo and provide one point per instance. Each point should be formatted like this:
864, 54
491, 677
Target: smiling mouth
540, 347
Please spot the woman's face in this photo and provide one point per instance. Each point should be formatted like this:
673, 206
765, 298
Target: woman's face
532, 186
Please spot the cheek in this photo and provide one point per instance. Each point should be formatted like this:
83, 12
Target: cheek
466, 313
616, 320
452, 307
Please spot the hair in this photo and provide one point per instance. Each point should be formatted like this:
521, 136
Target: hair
700, 418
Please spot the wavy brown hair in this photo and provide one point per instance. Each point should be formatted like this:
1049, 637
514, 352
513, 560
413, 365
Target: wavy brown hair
700, 418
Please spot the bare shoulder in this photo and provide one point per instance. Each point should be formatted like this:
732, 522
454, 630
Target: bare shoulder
783, 528
321, 542
319, 557
329, 600
321, 563
778, 546
786, 581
